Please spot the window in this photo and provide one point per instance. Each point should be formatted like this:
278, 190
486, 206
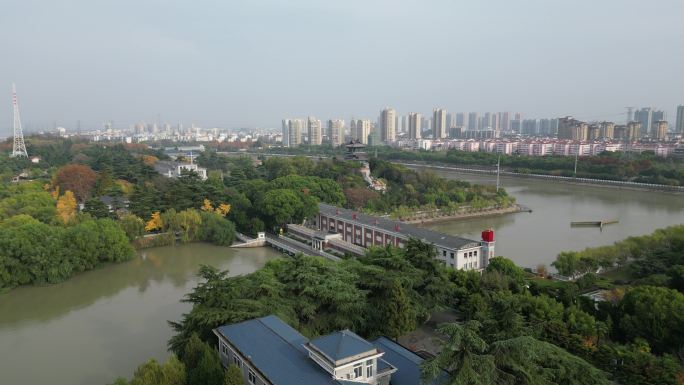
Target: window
452, 255
444, 253
237, 361
251, 377
358, 370
369, 368
475, 253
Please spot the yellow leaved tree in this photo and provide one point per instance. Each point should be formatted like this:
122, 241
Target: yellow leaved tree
207, 206
223, 209
66, 207
155, 223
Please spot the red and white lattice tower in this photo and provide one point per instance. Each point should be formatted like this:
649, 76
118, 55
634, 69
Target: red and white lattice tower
19, 148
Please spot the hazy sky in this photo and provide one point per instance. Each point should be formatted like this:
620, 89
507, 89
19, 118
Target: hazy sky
250, 63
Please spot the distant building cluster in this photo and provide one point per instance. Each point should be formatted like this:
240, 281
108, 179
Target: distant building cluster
509, 132
541, 146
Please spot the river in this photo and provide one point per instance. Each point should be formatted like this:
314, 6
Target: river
530, 239
103, 323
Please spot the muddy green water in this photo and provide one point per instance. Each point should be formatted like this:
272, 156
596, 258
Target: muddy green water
536, 238
103, 323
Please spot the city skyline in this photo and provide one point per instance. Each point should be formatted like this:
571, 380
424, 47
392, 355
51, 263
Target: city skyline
224, 65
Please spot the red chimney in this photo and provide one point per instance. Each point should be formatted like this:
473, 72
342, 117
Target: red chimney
488, 235
354, 215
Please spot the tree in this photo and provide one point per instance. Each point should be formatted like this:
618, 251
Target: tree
400, 314
96, 208
223, 209
207, 206
77, 178
202, 363
281, 206
567, 263
506, 267
233, 376
155, 222
133, 226
172, 372
464, 355
655, 314
66, 207
216, 229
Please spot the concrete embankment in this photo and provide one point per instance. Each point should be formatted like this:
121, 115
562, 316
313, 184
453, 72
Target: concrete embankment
434, 217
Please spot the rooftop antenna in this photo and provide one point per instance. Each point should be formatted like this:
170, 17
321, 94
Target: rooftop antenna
19, 148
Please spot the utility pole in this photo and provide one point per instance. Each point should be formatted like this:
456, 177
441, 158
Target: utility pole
498, 170
576, 158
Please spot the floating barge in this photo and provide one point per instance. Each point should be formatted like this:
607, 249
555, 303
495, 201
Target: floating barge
594, 223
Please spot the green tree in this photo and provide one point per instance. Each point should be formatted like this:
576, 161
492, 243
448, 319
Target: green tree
202, 363
655, 314
233, 376
96, 208
133, 226
399, 312
464, 356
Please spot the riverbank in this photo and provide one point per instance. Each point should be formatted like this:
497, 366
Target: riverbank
553, 178
437, 217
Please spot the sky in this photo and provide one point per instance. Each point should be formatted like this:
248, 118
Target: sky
251, 63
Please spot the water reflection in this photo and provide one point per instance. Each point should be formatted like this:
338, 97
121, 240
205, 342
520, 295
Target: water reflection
537, 238
103, 323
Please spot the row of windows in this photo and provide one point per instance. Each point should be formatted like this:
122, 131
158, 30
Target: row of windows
358, 369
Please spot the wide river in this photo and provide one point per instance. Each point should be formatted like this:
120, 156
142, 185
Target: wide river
103, 323
530, 239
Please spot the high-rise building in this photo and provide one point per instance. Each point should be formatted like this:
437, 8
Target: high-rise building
660, 129
473, 121
439, 123
415, 122
645, 117
286, 132
360, 129
461, 119
336, 132
572, 129
505, 119
451, 120
295, 127
487, 121
529, 127
388, 133
314, 131
679, 127
548, 127
607, 130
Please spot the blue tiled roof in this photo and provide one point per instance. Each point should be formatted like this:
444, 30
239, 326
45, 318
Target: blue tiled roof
275, 349
340, 345
406, 362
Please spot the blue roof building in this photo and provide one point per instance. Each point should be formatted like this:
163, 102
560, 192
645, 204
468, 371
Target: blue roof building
270, 352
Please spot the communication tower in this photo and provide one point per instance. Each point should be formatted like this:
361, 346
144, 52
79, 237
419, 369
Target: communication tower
19, 148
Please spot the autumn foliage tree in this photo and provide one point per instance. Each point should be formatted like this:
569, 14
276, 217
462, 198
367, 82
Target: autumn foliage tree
66, 207
77, 178
155, 223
